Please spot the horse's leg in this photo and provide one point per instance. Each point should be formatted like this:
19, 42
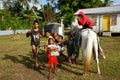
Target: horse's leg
96, 55
87, 62
85, 67
98, 68
84, 61
87, 54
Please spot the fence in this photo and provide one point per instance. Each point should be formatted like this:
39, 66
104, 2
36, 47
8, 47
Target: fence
10, 32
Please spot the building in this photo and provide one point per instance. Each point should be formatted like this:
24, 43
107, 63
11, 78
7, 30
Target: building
106, 20
54, 28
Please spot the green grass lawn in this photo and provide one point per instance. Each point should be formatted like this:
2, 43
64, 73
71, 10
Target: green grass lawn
16, 62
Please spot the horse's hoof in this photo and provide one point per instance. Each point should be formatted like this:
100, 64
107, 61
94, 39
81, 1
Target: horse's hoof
104, 57
99, 73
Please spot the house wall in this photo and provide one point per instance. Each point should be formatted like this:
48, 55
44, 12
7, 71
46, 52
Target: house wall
98, 26
99, 23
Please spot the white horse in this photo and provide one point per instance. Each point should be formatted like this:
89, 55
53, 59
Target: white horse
89, 44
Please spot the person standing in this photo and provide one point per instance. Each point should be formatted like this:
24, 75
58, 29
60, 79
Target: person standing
48, 35
60, 43
35, 34
70, 47
53, 50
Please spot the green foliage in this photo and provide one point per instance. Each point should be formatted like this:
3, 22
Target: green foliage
12, 22
17, 15
107, 2
67, 10
48, 13
69, 7
16, 9
91, 3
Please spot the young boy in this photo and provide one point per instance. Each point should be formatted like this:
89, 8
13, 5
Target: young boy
35, 40
60, 40
70, 47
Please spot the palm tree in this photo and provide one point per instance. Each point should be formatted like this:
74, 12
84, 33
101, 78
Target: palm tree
26, 2
108, 2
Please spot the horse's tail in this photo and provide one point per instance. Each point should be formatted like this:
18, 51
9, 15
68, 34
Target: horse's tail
88, 52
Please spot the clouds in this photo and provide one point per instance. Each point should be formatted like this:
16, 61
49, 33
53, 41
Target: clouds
116, 2
1, 4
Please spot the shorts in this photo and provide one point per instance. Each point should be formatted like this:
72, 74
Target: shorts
37, 44
53, 60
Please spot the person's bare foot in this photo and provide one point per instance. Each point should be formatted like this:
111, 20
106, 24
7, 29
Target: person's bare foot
49, 78
37, 65
69, 61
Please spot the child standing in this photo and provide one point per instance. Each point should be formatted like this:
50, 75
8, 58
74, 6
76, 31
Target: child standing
60, 43
35, 40
48, 35
70, 47
53, 50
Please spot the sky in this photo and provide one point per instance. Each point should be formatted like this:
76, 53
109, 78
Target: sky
116, 2
38, 5
42, 2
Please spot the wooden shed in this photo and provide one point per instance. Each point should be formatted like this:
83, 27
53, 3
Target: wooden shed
106, 20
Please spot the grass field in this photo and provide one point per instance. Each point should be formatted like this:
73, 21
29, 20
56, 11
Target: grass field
16, 62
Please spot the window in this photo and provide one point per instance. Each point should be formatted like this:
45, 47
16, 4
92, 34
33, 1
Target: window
113, 20
94, 19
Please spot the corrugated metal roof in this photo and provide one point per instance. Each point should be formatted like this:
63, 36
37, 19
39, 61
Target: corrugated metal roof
100, 10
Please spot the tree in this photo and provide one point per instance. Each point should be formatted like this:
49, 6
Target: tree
67, 10
16, 9
69, 7
91, 3
107, 2
49, 14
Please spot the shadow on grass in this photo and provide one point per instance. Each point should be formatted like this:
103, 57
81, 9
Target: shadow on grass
71, 65
28, 60
71, 71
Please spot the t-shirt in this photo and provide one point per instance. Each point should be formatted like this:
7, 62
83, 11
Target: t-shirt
35, 36
62, 47
54, 46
